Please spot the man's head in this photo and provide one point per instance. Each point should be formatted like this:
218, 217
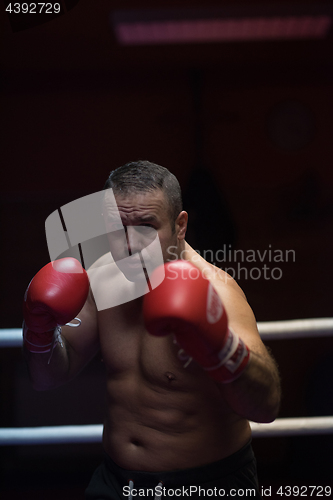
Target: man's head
146, 199
143, 177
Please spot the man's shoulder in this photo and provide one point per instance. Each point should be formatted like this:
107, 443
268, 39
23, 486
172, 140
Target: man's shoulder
228, 281
216, 275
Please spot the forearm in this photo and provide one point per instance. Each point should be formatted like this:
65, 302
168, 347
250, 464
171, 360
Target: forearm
50, 369
255, 394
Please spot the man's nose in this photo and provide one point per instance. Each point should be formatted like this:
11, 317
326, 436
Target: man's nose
138, 238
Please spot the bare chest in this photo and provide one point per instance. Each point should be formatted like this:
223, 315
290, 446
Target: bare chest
128, 348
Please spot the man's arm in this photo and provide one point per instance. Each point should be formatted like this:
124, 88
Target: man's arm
79, 345
56, 353
255, 394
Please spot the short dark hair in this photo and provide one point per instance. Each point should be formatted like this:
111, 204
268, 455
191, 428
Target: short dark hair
144, 176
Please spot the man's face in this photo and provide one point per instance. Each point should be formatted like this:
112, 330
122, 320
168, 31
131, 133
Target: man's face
145, 225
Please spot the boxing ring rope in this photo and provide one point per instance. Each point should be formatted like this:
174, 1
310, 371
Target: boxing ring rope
93, 433
274, 330
269, 330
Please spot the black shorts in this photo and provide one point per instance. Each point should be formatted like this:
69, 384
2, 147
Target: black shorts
234, 476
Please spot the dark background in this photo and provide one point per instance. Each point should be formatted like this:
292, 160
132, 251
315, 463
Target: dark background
247, 129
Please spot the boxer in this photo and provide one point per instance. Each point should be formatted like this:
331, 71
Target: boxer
186, 368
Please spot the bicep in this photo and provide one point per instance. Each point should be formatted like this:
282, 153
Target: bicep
241, 319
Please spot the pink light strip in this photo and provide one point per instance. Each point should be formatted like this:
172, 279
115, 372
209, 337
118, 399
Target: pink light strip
222, 30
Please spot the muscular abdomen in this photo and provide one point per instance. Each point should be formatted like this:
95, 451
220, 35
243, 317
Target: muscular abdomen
160, 415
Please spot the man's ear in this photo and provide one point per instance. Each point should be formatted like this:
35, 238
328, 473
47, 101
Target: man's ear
181, 225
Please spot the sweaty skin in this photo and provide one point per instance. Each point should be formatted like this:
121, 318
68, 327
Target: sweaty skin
160, 415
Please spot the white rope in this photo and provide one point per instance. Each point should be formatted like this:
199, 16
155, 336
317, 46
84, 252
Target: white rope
51, 435
11, 337
296, 328
93, 433
293, 427
269, 330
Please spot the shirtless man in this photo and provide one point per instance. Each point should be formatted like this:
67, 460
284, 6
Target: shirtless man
166, 425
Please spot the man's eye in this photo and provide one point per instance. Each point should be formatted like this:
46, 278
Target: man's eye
147, 231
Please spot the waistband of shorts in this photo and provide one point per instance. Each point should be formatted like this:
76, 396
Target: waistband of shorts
196, 475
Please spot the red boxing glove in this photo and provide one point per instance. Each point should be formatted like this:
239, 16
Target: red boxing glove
54, 296
187, 305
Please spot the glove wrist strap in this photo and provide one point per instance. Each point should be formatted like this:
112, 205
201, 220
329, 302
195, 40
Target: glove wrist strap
234, 358
34, 341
